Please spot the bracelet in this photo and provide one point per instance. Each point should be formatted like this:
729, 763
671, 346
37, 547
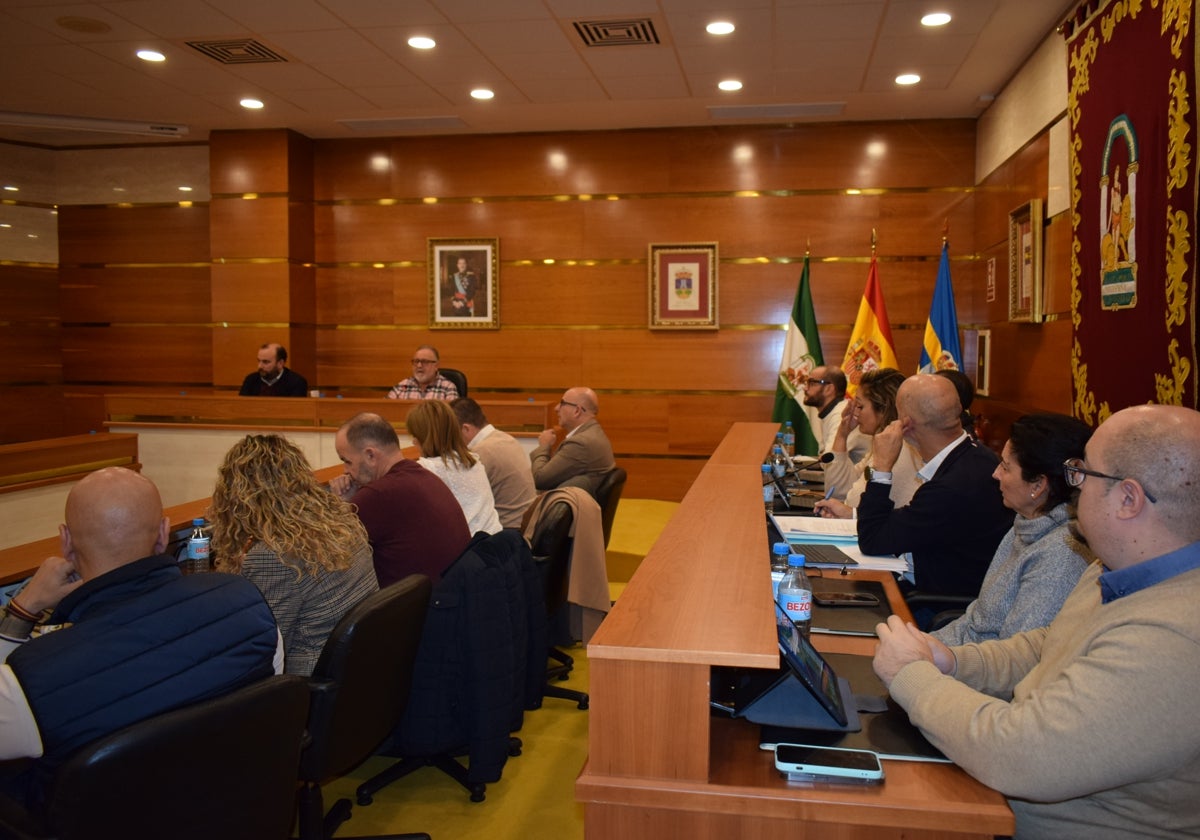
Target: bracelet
16, 610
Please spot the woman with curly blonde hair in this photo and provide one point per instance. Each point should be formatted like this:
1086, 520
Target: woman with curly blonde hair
302, 546
436, 430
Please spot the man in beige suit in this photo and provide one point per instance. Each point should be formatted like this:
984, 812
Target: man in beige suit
584, 456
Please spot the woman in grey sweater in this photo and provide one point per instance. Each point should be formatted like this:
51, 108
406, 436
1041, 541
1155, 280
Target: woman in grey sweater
1037, 563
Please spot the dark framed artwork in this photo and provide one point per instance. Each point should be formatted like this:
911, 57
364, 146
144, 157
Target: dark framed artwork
683, 286
1025, 263
464, 284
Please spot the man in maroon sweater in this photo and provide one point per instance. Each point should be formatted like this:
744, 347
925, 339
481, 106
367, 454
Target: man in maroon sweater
414, 523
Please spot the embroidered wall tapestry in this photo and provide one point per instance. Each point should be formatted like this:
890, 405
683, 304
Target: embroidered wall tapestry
1132, 110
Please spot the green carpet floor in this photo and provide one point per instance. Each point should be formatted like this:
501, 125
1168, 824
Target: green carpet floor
535, 799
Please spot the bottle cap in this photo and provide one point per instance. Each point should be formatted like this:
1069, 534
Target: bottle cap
796, 560
781, 548
198, 522
766, 467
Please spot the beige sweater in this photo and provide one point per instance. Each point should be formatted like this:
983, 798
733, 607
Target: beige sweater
1095, 733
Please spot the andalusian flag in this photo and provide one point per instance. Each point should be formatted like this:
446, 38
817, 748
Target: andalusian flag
801, 353
941, 350
871, 343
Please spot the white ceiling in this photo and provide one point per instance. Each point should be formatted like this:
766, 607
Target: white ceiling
348, 60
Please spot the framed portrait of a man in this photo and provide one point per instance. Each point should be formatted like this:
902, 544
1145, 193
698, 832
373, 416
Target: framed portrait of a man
464, 280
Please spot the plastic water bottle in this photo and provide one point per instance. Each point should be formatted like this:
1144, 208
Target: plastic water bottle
779, 464
198, 545
795, 594
780, 552
789, 439
768, 489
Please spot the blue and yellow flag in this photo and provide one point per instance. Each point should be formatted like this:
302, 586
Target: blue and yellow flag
801, 353
941, 350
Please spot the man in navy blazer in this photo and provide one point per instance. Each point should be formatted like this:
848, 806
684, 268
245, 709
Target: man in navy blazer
949, 531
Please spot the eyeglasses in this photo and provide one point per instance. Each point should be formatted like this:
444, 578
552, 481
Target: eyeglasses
424, 362
816, 382
561, 403
1074, 472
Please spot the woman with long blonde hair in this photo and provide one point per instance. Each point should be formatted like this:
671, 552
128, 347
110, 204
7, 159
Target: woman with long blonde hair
436, 430
302, 546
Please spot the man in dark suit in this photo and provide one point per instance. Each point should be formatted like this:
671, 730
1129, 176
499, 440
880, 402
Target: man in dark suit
273, 378
584, 456
949, 531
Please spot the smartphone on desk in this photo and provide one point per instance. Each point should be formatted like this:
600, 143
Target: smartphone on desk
800, 762
845, 599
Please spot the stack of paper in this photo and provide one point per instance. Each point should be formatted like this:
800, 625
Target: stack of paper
840, 532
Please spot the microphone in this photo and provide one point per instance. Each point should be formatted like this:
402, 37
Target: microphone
817, 463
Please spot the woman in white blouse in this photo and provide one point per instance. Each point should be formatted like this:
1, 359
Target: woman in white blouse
436, 430
873, 407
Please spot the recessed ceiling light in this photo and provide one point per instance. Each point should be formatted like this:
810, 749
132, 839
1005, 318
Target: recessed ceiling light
482, 93
719, 27
907, 79
251, 104
935, 19
420, 42
151, 55
11, 188
185, 189
5, 225
730, 84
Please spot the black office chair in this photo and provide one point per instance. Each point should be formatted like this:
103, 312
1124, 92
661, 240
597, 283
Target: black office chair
457, 377
221, 768
551, 546
608, 495
360, 687
934, 610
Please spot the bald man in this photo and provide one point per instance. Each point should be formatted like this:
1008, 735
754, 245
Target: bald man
273, 377
128, 636
950, 528
1088, 726
584, 456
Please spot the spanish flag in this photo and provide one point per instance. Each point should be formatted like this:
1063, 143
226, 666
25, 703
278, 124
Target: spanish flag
871, 343
941, 349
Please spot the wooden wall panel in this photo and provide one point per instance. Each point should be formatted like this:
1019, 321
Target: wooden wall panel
89, 235
169, 355
31, 412
144, 294
29, 294
1056, 270
249, 161
251, 292
249, 228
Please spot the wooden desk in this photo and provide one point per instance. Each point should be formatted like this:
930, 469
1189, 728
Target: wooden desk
659, 766
20, 561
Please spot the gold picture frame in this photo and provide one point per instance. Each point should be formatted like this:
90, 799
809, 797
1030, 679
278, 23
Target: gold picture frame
464, 284
1025, 263
683, 286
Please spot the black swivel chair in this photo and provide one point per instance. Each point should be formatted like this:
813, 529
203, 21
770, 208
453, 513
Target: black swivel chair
608, 495
222, 768
551, 546
457, 377
360, 687
934, 610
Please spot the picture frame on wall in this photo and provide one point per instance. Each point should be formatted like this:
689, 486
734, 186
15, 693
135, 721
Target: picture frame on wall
464, 284
683, 286
1025, 263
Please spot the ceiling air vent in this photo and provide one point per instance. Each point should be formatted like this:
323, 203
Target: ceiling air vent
616, 33
238, 51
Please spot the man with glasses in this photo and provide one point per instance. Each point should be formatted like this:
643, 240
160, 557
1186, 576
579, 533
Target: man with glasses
1088, 726
425, 383
825, 390
584, 456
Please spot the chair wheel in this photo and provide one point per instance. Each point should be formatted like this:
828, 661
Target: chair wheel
514, 751
562, 677
364, 799
583, 704
478, 793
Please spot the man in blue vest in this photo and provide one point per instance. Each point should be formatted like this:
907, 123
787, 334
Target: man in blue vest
127, 636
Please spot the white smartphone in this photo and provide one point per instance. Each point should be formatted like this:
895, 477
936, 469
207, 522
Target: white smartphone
828, 762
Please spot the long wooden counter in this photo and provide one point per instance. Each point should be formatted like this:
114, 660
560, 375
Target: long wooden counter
659, 765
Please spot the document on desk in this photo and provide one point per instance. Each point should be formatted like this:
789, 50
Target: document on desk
840, 532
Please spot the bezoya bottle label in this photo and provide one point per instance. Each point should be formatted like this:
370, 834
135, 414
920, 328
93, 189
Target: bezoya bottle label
798, 605
197, 549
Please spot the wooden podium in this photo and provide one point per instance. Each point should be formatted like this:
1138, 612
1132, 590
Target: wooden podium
659, 766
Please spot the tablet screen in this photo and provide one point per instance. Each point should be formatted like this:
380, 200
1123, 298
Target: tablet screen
808, 666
